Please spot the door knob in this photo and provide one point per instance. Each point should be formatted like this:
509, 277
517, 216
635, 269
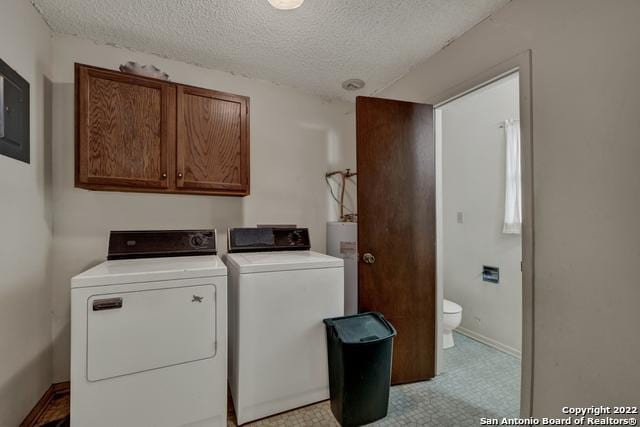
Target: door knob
368, 258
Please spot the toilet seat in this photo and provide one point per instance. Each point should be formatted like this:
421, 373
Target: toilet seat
450, 307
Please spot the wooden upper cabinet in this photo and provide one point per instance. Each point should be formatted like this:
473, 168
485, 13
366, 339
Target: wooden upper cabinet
212, 145
123, 129
141, 134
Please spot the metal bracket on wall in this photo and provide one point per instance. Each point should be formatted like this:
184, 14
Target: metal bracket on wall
344, 175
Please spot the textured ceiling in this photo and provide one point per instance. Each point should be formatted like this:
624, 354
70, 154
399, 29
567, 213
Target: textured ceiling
313, 48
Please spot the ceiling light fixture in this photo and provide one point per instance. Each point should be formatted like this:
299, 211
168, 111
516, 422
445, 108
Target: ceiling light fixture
286, 4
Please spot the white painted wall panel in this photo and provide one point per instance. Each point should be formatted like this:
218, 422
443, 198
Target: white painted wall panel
26, 224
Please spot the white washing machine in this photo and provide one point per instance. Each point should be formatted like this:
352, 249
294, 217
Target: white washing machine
148, 333
279, 293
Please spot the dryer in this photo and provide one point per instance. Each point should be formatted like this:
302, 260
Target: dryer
148, 333
279, 293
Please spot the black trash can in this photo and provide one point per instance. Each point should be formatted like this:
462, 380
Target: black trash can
359, 349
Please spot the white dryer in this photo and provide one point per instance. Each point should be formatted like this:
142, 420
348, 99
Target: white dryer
279, 293
148, 333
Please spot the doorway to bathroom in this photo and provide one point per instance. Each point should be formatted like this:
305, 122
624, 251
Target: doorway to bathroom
479, 217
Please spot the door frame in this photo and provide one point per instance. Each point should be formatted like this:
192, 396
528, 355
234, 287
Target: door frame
520, 63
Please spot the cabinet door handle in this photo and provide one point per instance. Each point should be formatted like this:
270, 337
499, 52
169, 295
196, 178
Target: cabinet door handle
163, 176
180, 175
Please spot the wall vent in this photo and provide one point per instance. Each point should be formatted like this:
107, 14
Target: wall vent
352, 84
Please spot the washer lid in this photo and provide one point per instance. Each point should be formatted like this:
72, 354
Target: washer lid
118, 272
450, 307
256, 262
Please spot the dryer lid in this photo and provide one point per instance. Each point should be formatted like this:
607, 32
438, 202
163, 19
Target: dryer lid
123, 271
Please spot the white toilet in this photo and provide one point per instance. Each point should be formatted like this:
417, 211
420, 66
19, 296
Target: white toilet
451, 318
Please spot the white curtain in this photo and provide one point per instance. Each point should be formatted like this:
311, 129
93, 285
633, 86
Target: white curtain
513, 195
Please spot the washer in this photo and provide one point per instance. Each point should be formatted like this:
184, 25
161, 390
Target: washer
148, 333
279, 293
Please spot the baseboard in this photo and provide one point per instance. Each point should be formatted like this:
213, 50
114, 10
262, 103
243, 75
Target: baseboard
490, 342
61, 388
38, 410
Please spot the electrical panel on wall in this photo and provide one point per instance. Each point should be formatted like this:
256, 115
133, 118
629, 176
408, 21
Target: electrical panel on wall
14, 114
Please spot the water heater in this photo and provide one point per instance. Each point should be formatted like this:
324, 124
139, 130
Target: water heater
342, 242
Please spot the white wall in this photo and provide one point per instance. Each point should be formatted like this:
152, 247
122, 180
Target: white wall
586, 103
25, 225
473, 168
295, 139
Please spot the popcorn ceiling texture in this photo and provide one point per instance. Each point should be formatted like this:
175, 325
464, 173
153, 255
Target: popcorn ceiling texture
313, 48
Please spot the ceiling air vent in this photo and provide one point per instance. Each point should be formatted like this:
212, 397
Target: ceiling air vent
352, 84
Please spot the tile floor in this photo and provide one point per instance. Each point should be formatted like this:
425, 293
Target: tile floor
477, 381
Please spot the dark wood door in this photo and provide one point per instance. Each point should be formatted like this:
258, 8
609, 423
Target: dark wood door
397, 226
213, 141
124, 126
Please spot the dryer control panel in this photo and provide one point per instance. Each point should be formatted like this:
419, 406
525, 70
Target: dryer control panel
268, 239
152, 243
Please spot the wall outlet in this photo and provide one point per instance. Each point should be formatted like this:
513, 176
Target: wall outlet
460, 217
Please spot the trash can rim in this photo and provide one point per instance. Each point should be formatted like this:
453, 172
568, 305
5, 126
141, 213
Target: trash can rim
332, 322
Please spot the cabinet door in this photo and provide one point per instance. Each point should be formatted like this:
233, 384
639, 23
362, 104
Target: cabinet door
213, 142
124, 127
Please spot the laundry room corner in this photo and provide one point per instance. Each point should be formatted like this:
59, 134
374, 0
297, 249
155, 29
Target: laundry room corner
295, 138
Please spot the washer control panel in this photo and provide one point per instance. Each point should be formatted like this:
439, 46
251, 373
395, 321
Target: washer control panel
268, 239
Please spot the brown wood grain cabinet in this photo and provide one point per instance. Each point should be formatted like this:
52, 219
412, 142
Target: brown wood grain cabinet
146, 135
205, 116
